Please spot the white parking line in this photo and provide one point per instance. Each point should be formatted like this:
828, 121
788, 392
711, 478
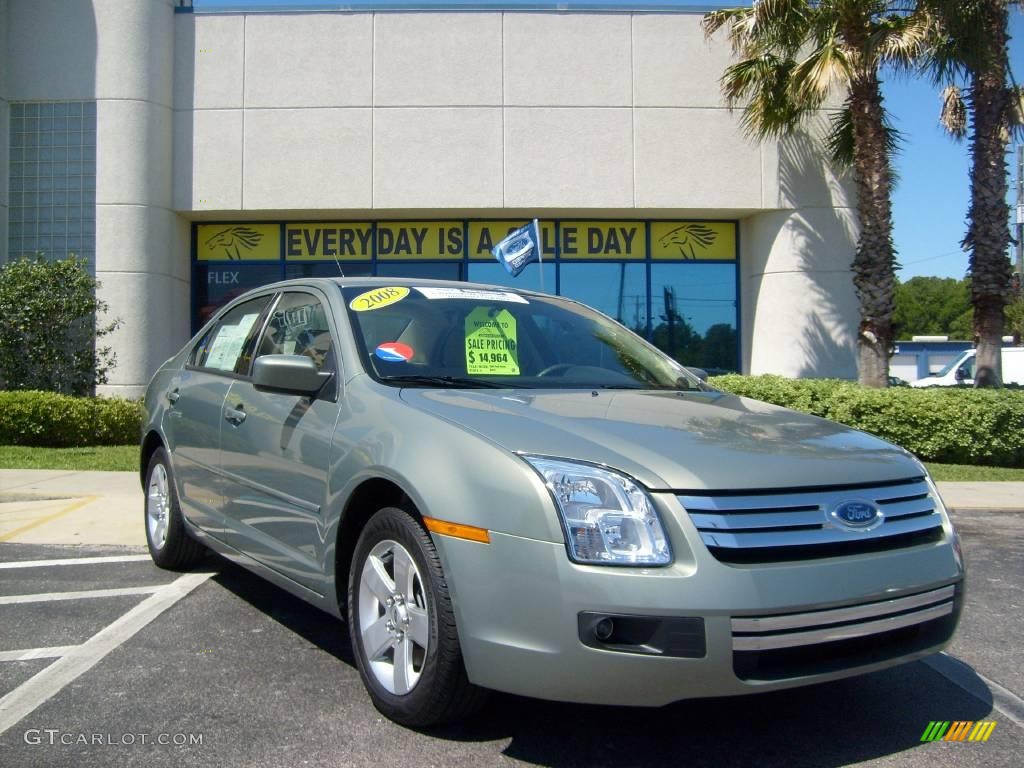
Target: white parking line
75, 561
27, 654
967, 678
49, 682
48, 597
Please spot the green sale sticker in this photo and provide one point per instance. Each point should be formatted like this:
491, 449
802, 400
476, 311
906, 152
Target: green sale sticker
491, 344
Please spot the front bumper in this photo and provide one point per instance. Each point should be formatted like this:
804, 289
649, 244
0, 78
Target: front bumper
524, 612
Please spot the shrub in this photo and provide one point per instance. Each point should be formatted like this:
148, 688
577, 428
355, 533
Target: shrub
62, 421
956, 425
51, 326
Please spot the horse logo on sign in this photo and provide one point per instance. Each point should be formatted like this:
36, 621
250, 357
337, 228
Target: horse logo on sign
688, 238
236, 241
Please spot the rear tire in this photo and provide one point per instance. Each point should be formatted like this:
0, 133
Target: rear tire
402, 625
170, 545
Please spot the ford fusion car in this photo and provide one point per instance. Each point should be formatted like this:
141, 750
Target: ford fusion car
500, 489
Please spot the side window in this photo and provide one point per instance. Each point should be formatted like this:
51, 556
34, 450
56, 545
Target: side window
298, 326
224, 347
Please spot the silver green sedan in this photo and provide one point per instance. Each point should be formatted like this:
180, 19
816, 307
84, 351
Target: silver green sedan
505, 490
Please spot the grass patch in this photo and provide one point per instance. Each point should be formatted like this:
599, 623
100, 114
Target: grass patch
968, 472
102, 457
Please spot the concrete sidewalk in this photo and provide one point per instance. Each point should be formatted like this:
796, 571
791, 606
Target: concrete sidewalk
39, 506
49, 506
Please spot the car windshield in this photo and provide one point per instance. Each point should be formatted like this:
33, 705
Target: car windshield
470, 337
956, 361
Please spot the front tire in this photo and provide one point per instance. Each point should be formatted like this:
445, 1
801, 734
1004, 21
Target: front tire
169, 543
402, 625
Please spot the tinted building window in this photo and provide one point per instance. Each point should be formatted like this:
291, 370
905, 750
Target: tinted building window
427, 271
672, 282
617, 289
217, 284
693, 314
529, 278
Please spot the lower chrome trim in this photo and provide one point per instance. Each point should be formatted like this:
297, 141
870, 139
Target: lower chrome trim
840, 615
845, 632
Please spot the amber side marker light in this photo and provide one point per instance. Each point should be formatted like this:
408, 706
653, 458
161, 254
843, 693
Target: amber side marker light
457, 530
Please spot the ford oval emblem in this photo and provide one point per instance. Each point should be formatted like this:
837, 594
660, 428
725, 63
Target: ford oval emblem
857, 514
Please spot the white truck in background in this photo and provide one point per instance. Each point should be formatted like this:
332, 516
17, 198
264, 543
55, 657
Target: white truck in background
961, 370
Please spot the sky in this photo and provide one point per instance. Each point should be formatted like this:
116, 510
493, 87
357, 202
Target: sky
930, 200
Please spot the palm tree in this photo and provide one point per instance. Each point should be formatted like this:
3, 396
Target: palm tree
792, 55
969, 45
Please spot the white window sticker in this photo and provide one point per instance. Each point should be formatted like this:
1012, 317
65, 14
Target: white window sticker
228, 344
472, 294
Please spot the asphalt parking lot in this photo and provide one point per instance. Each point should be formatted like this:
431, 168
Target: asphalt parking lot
146, 667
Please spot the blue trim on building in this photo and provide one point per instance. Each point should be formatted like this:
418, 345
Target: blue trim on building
312, 6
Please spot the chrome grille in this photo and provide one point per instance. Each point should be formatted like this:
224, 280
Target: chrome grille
793, 524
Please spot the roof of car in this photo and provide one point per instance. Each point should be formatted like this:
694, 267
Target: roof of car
374, 282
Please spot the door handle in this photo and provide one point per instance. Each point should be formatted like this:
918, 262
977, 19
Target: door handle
235, 415
173, 395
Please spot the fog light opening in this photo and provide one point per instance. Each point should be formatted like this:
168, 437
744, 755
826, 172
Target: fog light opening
604, 629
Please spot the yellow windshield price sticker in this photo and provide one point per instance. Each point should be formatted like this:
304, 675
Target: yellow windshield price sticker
377, 298
491, 344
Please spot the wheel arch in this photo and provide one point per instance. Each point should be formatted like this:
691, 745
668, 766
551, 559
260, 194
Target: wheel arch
369, 496
150, 443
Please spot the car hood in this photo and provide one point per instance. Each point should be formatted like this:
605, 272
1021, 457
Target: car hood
674, 440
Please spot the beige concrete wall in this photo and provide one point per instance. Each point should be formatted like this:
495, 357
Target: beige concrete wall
461, 111
120, 53
144, 278
462, 114
5, 122
485, 113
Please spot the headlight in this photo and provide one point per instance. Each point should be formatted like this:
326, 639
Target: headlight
608, 519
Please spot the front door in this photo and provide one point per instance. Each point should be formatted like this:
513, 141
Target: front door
276, 448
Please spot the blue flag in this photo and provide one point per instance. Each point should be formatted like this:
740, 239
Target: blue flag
520, 248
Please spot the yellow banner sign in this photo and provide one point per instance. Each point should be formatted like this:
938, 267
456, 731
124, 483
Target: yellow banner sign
328, 240
419, 240
483, 235
238, 242
693, 240
412, 240
602, 239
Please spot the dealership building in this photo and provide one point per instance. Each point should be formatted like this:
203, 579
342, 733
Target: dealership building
192, 153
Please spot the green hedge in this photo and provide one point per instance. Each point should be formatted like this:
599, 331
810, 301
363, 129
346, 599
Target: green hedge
951, 425
954, 425
62, 421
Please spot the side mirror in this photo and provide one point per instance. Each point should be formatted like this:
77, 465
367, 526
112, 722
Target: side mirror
289, 374
961, 374
700, 373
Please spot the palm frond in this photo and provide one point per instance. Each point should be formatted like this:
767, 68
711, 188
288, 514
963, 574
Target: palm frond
953, 116
959, 41
841, 142
1016, 111
823, 69
715, 20
901, 41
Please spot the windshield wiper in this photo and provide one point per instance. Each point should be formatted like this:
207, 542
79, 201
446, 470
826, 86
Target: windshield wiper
446, 381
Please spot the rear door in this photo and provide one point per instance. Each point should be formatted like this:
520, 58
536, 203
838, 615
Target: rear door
194, 418
276, 449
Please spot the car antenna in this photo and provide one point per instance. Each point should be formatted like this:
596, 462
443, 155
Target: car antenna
340, 270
